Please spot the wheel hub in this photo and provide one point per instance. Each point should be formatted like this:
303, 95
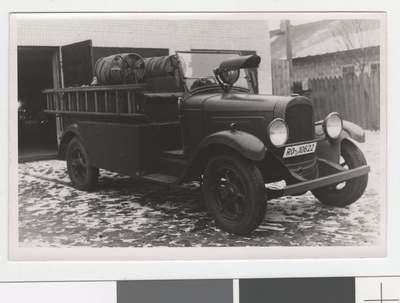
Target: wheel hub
231, 191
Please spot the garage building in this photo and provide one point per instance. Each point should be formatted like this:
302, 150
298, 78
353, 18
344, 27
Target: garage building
60, 50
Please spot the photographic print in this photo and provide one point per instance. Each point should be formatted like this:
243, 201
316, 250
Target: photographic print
227, 136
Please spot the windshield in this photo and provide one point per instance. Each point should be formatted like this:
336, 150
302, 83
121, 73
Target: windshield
198, 69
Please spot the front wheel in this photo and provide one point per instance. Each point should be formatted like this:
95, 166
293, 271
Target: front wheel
350, 191
83, 176
234, 193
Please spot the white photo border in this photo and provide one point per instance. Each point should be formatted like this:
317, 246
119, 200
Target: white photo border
212, 269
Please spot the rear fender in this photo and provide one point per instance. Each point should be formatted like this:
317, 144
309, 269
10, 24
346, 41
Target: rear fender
330, 149
69, 133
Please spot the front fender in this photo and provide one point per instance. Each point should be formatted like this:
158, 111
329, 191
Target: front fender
246, 144
354, 131
350, 130
330, 149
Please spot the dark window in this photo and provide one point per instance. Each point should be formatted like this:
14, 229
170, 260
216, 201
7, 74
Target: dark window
375, 67
297, 87
346, 70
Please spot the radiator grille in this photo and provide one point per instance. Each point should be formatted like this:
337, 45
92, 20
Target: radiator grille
300, 120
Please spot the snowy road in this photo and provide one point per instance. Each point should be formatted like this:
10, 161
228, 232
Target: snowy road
124, 212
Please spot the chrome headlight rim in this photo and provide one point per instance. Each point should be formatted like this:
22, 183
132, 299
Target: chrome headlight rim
278, 120
325, 126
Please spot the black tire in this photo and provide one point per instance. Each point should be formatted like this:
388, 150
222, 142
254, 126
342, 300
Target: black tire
83, 176
350, 191
234, 193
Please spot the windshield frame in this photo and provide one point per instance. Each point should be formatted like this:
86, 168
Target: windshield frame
216, 85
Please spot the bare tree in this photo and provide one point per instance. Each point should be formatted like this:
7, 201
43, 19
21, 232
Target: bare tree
356, 41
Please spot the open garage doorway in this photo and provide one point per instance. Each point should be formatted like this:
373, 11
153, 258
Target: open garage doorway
37, 69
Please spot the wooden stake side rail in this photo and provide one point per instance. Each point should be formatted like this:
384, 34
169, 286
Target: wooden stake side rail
75, 113
116, 100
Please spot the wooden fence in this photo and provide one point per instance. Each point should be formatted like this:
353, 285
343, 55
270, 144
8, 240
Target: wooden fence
356, 98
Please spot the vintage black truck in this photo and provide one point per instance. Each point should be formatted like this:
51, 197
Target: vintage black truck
194, 116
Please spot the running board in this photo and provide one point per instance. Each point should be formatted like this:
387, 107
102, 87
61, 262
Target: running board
160, 178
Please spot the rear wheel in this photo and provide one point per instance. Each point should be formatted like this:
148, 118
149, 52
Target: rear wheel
347, 192
234, 193
83, 176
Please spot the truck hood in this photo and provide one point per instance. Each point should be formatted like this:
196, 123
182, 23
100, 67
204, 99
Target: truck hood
234, 102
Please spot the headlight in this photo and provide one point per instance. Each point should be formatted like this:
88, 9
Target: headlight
278, 132
333, 125
229, 76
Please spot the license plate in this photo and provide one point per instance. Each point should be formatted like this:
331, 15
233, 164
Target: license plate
297, 150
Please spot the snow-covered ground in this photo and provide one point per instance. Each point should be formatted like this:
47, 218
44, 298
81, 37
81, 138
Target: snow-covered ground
125, 212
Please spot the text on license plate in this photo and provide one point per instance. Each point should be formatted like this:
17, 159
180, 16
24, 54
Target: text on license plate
297, 150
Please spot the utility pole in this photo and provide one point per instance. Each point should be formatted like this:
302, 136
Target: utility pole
289, 53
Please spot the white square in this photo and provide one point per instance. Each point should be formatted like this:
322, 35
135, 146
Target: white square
60, 292
378, 290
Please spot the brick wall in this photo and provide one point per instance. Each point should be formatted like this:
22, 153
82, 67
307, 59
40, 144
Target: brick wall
175, 34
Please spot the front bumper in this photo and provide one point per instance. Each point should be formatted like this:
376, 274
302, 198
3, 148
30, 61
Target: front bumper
307, 185
326, 181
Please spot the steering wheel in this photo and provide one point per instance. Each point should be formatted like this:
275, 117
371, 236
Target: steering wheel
203, 82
